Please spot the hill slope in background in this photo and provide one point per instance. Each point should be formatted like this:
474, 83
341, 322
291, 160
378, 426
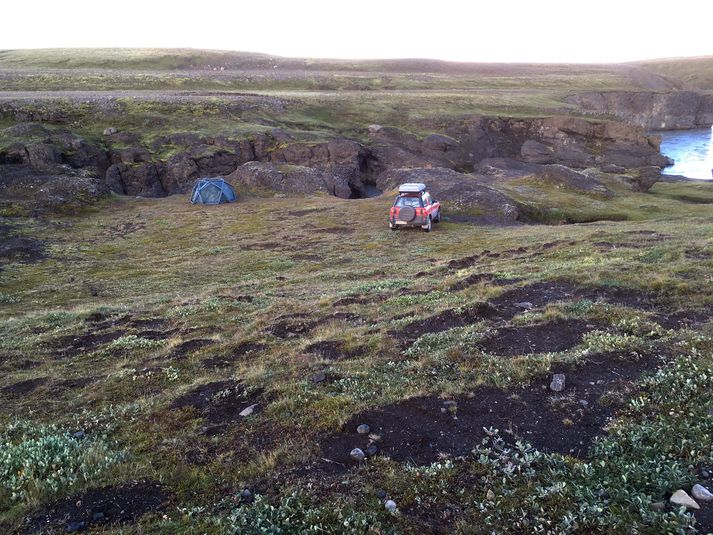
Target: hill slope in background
696, 73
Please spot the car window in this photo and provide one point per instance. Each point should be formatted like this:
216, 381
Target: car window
413, 202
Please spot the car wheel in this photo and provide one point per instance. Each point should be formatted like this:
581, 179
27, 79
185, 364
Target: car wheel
438, 216
427, 227
392, 226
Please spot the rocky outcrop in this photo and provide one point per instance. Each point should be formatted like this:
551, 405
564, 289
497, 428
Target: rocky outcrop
553, 148
338, 181
466, 194
653, 111
137, 179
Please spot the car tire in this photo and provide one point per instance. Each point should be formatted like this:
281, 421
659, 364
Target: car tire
427, 227
437, 219
393, 227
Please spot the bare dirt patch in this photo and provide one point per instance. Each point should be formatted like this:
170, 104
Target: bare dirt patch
554, 336
73, 384
445, 320
478, 278
190, 346
24, 387
14, 248
73, 346
291, 326
244, 350
219, 402
420, 430
121, 504
540, 294
331, 350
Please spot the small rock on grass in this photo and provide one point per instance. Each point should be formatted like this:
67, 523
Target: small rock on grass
701, 493
357, 454
558, 381
248, 411
681, 497
363, 429
381, 494
372, 450
318, 377
73, 527
526, 305
390, 506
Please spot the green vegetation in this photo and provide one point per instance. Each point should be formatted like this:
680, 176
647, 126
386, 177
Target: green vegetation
210, 350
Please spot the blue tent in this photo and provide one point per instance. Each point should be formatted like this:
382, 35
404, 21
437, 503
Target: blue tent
212, 191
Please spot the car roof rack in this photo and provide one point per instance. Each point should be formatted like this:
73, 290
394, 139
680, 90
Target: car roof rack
412, 187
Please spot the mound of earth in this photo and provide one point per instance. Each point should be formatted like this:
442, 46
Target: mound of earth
121, 504
219, 402
553, 336
464, 193
14, 248
443, 321
420, 430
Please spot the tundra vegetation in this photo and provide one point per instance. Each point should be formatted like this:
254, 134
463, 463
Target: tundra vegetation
171, 368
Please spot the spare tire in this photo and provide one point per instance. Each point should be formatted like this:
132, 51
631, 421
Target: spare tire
407, 213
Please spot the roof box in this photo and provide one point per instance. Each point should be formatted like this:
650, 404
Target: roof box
412, 187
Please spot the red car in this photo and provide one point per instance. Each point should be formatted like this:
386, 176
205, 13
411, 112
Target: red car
414, 207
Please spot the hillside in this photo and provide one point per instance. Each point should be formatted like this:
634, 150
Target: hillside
539, 360
696, 73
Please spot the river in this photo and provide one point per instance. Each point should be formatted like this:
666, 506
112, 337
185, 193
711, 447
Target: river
691, 150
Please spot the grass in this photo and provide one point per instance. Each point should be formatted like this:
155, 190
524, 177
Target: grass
234, 271
116, 328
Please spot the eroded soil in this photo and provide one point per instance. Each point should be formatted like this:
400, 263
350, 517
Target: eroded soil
420, 430
122, 504
553, 336
219, 402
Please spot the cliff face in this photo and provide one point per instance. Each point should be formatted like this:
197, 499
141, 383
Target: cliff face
654, 111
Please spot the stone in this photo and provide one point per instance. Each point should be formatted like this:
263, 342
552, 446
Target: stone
705, 474
583, 402
558, 382
374, 437
681, 497
658, 506
390, 506
110, 131
525, 305
374, 128
363, 429
490, 495
701, 493
357, 454
248, 411
381, 494
96, 517
79, 435
73, 527
372, 450
318, 377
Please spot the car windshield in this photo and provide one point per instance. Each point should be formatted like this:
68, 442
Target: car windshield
413, 202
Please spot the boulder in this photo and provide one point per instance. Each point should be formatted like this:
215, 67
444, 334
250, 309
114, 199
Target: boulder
110, 131
133, 155
536, 152
143, 179
43, 156
181, 173
644, 178
569, 178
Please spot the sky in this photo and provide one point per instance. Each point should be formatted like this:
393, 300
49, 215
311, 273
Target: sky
491, 31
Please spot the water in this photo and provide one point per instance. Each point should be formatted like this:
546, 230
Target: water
692, 151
